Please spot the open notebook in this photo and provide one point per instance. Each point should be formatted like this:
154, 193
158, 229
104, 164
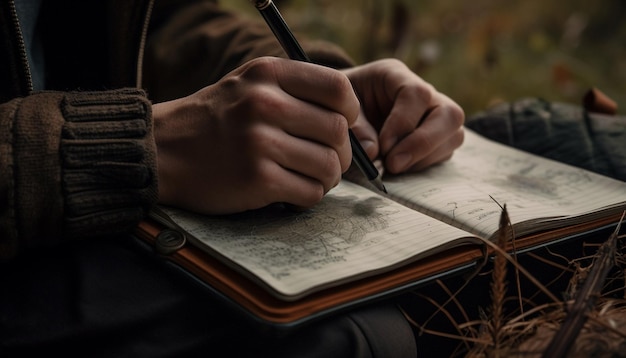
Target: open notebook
359, 243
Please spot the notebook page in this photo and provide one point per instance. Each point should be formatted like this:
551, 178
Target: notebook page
460, 191
352, 231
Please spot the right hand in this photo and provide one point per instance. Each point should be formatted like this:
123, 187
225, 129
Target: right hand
273, 130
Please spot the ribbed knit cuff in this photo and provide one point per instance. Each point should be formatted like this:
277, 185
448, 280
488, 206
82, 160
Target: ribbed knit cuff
108, 161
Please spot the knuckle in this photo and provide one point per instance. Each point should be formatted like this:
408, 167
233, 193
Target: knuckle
329, 169
395, 63
456, 114
263, 103
452, 117
338, 81
345, 161
331, 165
424, 142
314, 196
262, 176
424, 92
343, 92
258, 68
458, 138
337, 130
259, 141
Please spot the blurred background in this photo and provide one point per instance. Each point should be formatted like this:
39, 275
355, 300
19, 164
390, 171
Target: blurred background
479, 52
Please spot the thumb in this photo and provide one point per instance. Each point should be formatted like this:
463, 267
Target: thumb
367, 136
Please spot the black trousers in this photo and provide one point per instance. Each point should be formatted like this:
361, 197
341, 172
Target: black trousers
108, 298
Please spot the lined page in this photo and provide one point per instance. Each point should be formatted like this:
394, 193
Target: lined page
353, 231
466, 190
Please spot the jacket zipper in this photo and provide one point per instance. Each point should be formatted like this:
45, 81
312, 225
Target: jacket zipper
142, 44
23, 58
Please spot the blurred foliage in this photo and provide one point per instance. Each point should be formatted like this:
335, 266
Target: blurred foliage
479, 52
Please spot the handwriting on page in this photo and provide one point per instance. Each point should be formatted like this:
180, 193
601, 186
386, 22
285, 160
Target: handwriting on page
462, 191
351, 229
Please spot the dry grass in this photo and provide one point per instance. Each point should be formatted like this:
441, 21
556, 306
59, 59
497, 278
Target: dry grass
589, 321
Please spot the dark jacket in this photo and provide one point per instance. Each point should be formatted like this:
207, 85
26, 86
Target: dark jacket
79, 159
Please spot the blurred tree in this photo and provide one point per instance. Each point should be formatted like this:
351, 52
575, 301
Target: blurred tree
481, 51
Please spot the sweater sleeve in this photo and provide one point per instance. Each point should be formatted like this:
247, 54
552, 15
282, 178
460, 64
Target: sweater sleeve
192, 46
74, 164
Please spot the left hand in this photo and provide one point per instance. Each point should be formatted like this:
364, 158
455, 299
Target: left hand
404, 119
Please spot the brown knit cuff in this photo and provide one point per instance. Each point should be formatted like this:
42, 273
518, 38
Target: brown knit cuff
108, 161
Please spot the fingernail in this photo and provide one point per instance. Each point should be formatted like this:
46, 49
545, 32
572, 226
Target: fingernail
401, 161
368, 145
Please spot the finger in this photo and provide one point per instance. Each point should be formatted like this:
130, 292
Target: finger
410, 105
306, 158
366, 135
307, 121
320, 85
440, 154
293, 188
440, 126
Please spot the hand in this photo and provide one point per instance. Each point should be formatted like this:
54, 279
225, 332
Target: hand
404, 119
273, 130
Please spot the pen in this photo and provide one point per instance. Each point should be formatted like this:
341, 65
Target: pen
291, 46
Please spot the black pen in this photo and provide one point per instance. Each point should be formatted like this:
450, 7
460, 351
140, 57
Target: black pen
291, 46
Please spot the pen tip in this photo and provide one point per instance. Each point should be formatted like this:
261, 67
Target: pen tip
379, 185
